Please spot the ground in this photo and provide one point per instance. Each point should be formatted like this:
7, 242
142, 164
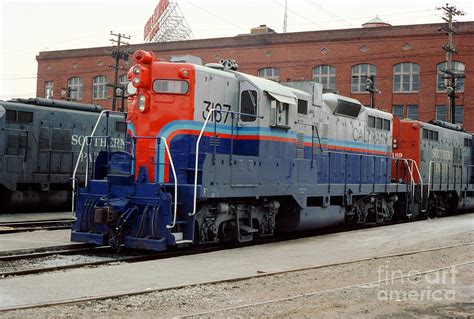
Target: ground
354, 290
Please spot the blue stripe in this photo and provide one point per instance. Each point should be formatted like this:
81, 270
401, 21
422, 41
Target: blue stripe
169, 128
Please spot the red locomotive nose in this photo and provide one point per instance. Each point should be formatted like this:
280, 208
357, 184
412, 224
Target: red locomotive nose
142, 56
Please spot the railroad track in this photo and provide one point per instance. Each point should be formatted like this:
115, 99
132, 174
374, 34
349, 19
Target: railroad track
88, 251
215, 312
27, 226
85, 249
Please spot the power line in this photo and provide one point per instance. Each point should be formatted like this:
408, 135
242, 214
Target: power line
300, 15
329, 13
214, 15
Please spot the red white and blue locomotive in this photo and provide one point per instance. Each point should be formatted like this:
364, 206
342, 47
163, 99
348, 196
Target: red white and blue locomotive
216, 155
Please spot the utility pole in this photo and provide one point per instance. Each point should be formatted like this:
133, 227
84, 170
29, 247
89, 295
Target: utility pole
285, 19
118, 55
450, 11
370, 87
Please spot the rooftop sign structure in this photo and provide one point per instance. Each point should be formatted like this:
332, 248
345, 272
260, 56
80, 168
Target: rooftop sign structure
166, 24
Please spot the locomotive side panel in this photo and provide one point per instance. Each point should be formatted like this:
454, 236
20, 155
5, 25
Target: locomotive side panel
442, 157
40, 146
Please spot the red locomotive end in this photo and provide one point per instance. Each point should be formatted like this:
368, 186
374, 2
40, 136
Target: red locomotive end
161, 93
406, 145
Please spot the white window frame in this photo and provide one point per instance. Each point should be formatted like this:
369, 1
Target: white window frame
99, 87
328, 78
48, 89
74, 85
457, 67
269, 73
361, 76
413, 72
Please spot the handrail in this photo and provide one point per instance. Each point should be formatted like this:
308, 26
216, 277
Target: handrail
211, 111
412, 180
161, 138
421, 181
175, 183
411, 171
82, 151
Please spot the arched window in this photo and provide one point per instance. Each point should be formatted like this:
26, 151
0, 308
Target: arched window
326, 75
457, 68
269, 73
406, 77
48, 89
99, 87
123, 81
75, 88
360, 73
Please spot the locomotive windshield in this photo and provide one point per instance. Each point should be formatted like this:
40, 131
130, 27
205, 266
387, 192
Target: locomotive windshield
170, 86
347, 108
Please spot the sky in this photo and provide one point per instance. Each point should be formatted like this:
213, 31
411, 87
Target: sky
28, 27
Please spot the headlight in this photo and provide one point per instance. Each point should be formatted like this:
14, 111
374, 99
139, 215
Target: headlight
141, 102
131, 89
136, 70
136, 81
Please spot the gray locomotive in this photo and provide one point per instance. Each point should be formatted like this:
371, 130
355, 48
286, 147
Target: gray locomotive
40, 141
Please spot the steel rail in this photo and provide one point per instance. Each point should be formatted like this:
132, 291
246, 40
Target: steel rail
321, 292
267, 274
127, 259
17, 227
40, 254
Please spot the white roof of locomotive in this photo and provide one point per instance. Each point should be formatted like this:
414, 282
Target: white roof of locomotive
273, 88
280, 92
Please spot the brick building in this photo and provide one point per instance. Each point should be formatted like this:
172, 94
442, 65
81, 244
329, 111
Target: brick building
406, 61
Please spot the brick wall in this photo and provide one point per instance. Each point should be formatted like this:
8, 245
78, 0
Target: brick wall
295, 54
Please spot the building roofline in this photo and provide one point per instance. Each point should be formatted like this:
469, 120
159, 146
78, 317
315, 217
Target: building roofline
246, 40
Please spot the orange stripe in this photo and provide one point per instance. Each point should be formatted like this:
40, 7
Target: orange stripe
257, 137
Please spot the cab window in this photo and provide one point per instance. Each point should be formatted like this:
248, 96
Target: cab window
170, 86
248, 105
